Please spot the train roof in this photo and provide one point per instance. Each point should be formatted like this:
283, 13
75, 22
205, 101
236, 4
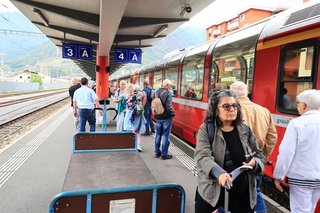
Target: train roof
301, 17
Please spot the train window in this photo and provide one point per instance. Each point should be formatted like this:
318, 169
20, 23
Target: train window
296, 73
231, 69
172, 74
233, 57
138, 80
157, 79
192, 73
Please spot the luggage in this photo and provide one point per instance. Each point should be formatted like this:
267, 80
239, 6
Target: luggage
226, 197
226, 200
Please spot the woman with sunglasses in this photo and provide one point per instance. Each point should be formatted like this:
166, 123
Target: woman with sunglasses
232, 143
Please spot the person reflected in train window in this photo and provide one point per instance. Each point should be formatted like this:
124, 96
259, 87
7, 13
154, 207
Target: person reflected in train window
164, 121
75, 85
120, 98
249, 83
84, 101
259, 119
147, 108
286, 99
193, 94
299, 158
188, 93
174, 90
132, 122
215, 87
231, 143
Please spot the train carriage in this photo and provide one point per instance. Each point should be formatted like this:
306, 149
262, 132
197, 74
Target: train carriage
277, 57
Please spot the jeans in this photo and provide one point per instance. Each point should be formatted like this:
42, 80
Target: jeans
147, 115
260, 206
84, 116
163, 131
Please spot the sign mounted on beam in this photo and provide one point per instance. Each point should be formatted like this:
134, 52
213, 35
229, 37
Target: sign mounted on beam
126, 55
77, 51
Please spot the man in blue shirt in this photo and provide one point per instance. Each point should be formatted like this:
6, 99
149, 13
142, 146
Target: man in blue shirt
84, 99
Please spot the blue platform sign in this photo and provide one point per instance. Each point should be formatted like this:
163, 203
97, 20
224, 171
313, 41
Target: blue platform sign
121, 55
135, 56
77, 51
85, 52
70, 51
126, 55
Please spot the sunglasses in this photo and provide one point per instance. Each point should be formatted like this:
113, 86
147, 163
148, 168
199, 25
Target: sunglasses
227, 107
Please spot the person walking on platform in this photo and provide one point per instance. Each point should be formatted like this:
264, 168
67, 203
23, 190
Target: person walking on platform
75, 85
132, 121
164, 121
299, 157
83, 102
147, 108
224, 143
259, 119
120, 98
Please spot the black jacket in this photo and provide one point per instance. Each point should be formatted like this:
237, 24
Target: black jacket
72, 89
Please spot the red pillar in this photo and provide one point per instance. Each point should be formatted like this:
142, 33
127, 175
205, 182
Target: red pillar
102, 76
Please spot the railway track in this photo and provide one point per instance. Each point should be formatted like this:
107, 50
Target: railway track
23, 99
10, 94
12, 129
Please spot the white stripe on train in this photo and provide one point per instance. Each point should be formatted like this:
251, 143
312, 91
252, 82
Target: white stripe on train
279, 120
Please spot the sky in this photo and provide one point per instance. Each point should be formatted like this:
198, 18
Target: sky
7, 6
220, 10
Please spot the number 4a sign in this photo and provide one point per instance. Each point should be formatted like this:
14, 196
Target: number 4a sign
126, 55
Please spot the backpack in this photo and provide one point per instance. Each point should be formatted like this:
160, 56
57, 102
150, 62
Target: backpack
138, 108
123, 105
157, 106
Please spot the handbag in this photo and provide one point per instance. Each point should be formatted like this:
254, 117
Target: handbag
137, 110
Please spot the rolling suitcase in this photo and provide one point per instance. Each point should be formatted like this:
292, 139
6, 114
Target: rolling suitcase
226, 197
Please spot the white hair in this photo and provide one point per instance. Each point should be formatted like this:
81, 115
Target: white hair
123, 81
130, 88
311, 98
167, 82
146, 81
239, 88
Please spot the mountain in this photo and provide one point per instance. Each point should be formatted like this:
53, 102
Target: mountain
20, 50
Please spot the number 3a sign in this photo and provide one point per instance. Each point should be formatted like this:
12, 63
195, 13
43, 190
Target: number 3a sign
77, 51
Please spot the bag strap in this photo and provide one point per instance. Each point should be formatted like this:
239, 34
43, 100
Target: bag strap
211, 130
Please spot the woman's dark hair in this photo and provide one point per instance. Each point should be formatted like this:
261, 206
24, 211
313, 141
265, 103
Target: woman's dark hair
212, 112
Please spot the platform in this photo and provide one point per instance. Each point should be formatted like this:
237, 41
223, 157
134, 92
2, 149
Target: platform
33, 170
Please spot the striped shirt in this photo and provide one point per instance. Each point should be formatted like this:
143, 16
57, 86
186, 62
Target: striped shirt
304, 183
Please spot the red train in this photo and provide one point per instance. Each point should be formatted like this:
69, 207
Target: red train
276, 57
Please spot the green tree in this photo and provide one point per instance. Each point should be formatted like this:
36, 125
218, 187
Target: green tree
36, 79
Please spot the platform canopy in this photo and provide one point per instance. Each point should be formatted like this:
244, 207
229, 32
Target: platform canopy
109, 23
